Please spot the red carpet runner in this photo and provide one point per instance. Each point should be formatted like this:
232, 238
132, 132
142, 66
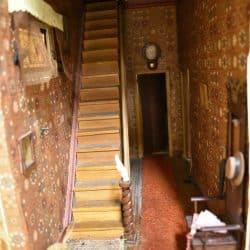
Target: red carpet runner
163, 225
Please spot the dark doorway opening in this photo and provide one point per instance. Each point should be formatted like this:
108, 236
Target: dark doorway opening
152, 89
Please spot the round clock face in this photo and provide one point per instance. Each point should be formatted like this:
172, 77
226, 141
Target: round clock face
151, 52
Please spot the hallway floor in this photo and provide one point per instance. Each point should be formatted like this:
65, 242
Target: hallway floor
165, 201
163, 223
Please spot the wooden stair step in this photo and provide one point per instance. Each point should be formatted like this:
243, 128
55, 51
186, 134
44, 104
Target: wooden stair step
100, 68
100, 24
107, 5
97, 167
97, 205
96, 34
97, 116
95, 230
100, 44
101, 14
97, 190
98, 125
98, 110
100, 80
85, 159
95, 94
97, 216
97, 185
99, 139
99, 175
100, 55
98, 147
85, 132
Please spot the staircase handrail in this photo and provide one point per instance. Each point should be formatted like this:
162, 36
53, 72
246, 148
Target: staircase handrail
123, 84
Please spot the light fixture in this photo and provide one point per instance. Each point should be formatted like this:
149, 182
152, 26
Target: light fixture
152, 52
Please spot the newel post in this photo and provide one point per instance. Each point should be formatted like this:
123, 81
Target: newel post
127, 210
126, 201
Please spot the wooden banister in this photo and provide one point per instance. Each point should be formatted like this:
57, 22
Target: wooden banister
123, 84
73, 141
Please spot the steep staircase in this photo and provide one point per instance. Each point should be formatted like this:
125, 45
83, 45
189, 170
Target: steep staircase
96, 207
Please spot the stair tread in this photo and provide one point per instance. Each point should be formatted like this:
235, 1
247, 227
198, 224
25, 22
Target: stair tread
95, 131
100, 76
100, 68
97, 205
101, 20
97, 185
85, 89
99, 51
107, 5
101, 39
98, 115
96, 15
99, 165
98, 147
99, 63
93, 101
96, 226
100, 24
99, 102
108, 130
95, 34
100, 55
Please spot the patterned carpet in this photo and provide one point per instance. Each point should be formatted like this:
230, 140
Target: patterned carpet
163, 225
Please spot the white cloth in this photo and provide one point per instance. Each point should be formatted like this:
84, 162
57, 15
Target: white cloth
122, 170
206, 219
39, 9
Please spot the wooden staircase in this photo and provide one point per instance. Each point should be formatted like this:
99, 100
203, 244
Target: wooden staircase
97, 207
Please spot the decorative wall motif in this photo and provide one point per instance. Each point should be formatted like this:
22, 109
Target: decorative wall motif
213, 44
158, 25
30, 108
12, 224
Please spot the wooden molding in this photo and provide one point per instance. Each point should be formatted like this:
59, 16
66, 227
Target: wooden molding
139, 118
152, 4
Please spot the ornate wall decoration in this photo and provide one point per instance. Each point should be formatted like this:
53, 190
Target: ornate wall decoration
39, 194
158, 25
213, 44
13, 227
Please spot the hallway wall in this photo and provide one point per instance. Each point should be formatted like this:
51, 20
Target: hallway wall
213, 44
25, 108
152, 24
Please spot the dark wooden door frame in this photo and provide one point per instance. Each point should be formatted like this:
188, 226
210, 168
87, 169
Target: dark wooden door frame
139, 119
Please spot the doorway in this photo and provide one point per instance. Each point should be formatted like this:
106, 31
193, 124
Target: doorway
153, 106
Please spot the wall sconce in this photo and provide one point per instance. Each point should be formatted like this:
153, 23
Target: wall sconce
44, 131
152, 52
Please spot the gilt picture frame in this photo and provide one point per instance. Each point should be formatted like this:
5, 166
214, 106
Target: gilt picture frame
26, 151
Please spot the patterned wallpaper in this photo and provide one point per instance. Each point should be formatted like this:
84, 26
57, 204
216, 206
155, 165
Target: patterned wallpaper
213, 44
11, 214
24, 108
153, 24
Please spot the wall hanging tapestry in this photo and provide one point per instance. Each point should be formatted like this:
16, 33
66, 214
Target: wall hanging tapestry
34, 49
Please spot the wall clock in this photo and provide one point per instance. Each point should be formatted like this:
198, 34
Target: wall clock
151, 52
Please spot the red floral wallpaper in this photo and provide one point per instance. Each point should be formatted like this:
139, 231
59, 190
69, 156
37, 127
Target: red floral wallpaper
158, 25
29, 108
213, 44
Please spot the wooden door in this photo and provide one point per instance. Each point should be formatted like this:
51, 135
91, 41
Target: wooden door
152, 89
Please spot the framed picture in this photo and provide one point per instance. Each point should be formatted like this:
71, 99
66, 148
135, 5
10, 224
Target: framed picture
26, 148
